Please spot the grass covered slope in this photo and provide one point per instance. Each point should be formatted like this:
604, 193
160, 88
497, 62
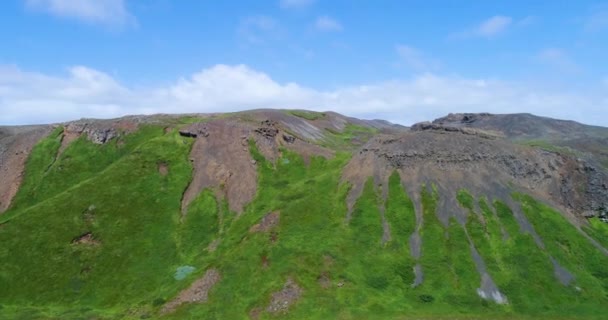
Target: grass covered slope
97, 232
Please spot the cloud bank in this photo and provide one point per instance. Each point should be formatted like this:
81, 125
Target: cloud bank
30, 97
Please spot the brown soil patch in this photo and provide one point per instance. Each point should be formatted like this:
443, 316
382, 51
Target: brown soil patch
198, 292
68, 137
221, 162
282, 300
16, 143
86, 239
268, 222
265, 262
273, 237
324, 280
163, 169
255, 313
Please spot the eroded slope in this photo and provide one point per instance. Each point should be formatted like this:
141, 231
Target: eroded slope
294, 214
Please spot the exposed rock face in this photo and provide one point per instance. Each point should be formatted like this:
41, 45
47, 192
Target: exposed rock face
96, 132
221, 157
16, 143
221, 161
520, 125
428, 126
267, 132
454, 159
196, 130
463, 118
277, 129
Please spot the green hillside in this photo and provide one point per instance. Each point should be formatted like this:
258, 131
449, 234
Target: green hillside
97, 232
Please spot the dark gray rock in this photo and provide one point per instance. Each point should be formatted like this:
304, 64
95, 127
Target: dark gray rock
194, 131
268, 129
289, 138
267, 132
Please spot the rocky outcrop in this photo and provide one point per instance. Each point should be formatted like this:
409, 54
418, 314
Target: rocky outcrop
454, 158
194, 131
428, 126
596, 188
524, 126
289, 138
463, 118
97, 133
268, 129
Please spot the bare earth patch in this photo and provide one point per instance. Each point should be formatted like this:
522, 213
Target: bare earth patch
69, 136
198, 292
268, 222
16, 143
265, 262
163, 169
86, 239
221, 162
282, 300
324, 280
255, 313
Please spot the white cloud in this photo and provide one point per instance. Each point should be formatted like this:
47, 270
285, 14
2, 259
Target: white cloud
257, 29
105, 12
327, 24
559, 59
28, 97
415, 59
295, 4
489, 28
494, 26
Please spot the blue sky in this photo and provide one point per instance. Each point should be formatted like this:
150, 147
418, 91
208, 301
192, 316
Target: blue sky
404, 61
